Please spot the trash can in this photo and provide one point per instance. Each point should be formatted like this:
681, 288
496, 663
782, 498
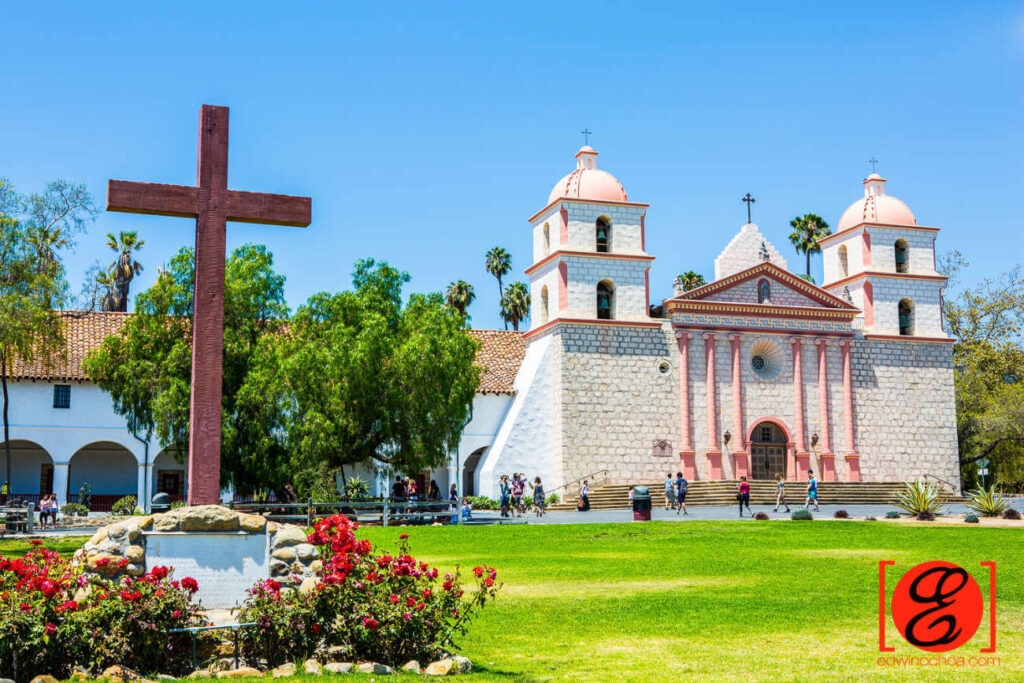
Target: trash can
641, 504
161, 502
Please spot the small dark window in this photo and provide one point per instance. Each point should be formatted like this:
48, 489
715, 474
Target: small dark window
61, 395
902, 257
605, 300
604, 234
766, 433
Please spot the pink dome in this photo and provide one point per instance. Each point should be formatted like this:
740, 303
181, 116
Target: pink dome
588, 182
876, 207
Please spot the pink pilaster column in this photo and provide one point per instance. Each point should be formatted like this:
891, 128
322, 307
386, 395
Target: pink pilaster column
687, 456
852, 458
797, 467
741, 463
714, 453
828, 465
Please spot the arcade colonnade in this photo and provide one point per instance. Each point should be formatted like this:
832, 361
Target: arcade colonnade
741, 436
46, 463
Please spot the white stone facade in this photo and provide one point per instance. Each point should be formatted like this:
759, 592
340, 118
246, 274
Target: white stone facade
745, 251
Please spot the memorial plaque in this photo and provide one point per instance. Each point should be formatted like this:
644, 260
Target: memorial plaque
225, 564
661, 448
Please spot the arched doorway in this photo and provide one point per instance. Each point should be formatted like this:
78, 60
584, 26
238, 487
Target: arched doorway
31, 469
767, 451
169, 475
469, 471
109, 468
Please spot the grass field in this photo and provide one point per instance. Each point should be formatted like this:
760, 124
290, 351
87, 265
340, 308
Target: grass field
749, 600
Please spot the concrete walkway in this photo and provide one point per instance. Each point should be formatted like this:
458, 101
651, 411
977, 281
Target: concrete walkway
702, 512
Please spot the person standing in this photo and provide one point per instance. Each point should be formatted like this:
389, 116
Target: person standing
743, 495
453, 494
682, 486
585, 496
506, 495
780, 493
669, 492
812, 490
538, 496
398, 488
434, 494
518, 489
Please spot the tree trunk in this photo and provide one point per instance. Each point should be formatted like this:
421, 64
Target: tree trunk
7, 425
501, 300
808, 252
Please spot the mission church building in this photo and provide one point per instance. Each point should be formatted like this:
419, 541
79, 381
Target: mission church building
754, 374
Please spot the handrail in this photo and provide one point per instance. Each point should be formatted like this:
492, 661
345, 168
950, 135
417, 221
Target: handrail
932, 476
574, 481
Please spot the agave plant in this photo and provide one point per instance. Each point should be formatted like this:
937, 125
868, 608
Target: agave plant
356, 486
918, 497
987, 502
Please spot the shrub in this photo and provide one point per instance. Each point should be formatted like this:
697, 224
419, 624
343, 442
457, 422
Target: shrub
374, 606
801, 514
1010, 513
841, 514
74, 509
761, 515
553, 499
85, 495
917, 497
357, 487
53, 617
178, 504
987, 502
971, 518
925, 516
892, 514
124, 507
484, 503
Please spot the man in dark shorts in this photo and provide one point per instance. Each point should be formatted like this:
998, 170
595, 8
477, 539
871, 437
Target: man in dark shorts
682, 486
518, 488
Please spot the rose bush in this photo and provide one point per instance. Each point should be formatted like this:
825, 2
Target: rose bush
369, 606
53, 617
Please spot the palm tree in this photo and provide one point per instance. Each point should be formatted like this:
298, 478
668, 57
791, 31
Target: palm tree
125, 267
808, 230
690, 280
515, 304
109, 300
459, 295
498, 264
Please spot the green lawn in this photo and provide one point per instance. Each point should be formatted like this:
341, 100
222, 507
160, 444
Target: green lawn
750, 600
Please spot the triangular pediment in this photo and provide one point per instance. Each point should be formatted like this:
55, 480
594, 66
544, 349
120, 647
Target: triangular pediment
786, 290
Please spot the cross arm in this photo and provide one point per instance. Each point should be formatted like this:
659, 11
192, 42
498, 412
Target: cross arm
269, 209
152, 198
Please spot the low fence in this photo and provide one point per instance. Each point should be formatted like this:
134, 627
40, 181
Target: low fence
101, 502
384, 511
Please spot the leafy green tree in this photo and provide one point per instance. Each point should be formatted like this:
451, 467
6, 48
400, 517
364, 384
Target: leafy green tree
690, 280
372, 379
808, 230
499, 264
147, 368
34, 231
459, 295
125, 267
988, 360
515, 304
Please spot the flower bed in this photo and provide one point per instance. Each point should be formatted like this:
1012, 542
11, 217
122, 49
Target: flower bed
366, 606
54, 617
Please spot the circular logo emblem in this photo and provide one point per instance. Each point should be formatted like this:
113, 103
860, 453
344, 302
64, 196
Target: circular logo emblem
937, 606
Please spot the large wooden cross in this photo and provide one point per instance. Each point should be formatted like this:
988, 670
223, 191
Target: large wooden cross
212, 204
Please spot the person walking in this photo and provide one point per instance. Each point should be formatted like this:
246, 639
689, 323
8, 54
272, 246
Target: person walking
506, 495
54, 509
780, 493
585, 496
812, 490
682, 486
743, 496
538, 496
44, 510
629, 505
670, 498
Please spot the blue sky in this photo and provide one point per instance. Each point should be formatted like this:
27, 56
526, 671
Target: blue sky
427, 133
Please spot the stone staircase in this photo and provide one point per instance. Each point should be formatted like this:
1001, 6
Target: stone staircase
723, 492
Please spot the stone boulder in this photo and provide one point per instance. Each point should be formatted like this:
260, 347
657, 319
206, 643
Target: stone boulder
373, 668
207, 518
45, 678
253, 524
284, 671
241, 672
338, 667
288, 535
411, 665
312, 667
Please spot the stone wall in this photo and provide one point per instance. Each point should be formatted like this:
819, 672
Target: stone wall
619, 394
906, 412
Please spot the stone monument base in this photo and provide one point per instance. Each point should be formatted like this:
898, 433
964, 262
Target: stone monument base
225, 551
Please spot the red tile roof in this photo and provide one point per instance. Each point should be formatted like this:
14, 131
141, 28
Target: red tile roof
500, 354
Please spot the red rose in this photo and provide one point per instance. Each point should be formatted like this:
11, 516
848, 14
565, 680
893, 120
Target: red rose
488, 582
427, 593
404, 536
447, 585
393, 598
190, 584
176, 614
370, 623
35, 542
479, 571
50, 629
410, 601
